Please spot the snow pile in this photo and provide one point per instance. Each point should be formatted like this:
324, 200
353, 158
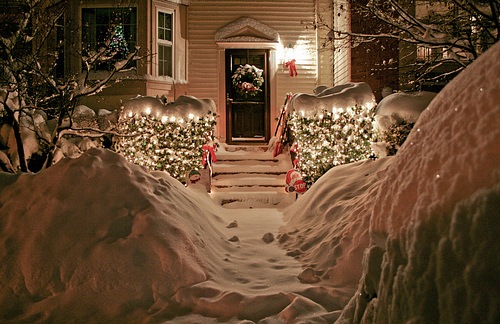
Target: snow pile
401, 106
97, 238
328, 226
328, 99
434, 226
183, 107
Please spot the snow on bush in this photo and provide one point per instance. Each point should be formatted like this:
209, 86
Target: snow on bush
166, 137
434, 225
36, 132
395, 117
331, 128
402, 106
325, 99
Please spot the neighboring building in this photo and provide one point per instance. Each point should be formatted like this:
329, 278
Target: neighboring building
375, 62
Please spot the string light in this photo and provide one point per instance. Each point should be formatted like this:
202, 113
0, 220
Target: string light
328, 139
165, 143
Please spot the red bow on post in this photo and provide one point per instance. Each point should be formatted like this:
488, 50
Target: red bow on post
208, 149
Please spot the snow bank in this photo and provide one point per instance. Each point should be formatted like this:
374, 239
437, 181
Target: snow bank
97, 239
400, 106
434, 227
341, 96
182, 107
327, 227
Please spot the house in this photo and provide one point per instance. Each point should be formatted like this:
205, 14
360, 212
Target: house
194, 47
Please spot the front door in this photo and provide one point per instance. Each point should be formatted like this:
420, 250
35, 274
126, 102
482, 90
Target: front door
247, 94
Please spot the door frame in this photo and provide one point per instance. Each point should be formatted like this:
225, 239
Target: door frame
267, 102
272, 48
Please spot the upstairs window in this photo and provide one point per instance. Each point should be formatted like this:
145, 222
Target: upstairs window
165, 44
118, 26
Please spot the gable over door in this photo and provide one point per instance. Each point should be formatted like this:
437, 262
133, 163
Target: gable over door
247, 114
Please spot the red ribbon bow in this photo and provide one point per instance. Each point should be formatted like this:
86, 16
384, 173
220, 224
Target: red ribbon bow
291, 66
208, 149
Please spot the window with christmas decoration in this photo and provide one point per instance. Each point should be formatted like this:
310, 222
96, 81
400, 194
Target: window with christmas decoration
110, 33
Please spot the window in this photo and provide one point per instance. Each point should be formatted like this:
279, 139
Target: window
165, 42
111, 28
428, 54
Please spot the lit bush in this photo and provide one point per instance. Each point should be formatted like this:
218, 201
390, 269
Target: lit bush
328, 139
165, 143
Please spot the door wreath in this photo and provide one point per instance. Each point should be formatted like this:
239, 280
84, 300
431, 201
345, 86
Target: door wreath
248, 80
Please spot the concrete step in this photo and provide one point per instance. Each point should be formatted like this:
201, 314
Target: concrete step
249, 166
244, 148
248, 180
251, 198
245, 155
250, 177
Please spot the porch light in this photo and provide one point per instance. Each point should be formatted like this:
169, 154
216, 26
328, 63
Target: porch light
289, 53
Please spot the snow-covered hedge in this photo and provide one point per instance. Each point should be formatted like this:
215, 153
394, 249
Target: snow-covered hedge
395, 117
331, 138
331, 128
87, 130
165, 137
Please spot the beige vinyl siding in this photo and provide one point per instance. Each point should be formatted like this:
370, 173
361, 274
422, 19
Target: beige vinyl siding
325, 45
342, 52
286, 17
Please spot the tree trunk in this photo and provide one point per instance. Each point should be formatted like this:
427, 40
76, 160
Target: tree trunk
19, 142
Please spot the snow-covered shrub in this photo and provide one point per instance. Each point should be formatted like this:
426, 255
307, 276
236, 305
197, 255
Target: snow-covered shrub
394, 119
393, 137
331, 138
165, 143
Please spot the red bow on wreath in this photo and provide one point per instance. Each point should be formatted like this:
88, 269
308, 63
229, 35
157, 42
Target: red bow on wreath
292, 68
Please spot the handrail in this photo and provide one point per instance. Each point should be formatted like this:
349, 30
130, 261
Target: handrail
283, 112
278, 144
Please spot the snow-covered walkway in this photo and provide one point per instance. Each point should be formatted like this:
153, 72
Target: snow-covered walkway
258, 272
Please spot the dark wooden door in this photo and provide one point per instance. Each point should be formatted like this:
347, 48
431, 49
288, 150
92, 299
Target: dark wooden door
247, 113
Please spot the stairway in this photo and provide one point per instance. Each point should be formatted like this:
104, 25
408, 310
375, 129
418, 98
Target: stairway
249, 177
